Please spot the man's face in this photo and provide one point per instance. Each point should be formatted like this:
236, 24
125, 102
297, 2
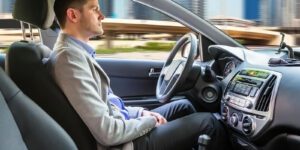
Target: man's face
91, 17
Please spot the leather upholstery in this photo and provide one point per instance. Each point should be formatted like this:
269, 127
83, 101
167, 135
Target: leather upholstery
24, 125
24, 64
36, 12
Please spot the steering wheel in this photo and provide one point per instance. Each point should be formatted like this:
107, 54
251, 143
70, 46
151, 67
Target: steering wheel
175, 72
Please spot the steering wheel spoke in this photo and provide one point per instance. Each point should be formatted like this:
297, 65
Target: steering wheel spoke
167, 85
163, 87
180, 68
164, 70
171, 70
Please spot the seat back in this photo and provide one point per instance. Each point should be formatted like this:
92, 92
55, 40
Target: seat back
24, 64
23, 125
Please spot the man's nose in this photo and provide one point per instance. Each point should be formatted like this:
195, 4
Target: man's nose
101, 16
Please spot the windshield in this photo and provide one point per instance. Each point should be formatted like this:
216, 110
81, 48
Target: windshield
251, 22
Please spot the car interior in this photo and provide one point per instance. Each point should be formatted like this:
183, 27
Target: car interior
254, 94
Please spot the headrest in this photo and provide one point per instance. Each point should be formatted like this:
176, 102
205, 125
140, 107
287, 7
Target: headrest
36, 12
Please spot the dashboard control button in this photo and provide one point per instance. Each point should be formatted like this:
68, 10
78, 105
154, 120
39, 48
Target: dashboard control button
248, 89
234, 120
248, 104
242, 89
253, 91
233, 100
224, 113
227, 99
240, 116
242, 103
259, 83
231, 87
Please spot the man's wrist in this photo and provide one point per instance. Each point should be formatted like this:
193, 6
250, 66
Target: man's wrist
140, 112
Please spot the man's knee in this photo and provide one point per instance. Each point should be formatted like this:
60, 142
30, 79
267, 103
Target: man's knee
206, 121
187, 105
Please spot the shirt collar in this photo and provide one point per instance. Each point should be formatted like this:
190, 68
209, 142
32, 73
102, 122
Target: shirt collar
86, 47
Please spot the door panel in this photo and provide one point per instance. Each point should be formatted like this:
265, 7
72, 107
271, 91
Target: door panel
130, 78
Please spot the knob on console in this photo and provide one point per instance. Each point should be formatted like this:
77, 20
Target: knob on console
248, 104
247, 125
234, 119
224, 113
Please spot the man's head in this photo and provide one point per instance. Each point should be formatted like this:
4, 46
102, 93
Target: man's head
81, 16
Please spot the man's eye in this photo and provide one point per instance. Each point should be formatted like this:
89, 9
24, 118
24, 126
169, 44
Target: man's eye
96, 9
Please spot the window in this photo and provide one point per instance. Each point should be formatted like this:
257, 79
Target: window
297, 9
7, 28
133, 44
134, 31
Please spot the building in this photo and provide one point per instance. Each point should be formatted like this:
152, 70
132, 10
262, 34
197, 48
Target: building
196, 6
127, 9
290, 14
252, 10
224, 8
107, 7
6, 6
269, 14
1, 9
283, 13
123, 9
140, 11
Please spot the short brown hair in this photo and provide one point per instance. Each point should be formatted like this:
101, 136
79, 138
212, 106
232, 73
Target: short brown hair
61, 6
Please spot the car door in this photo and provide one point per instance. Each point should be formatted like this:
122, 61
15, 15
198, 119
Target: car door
133, 80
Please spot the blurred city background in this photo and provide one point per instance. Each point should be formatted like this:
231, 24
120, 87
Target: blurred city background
128, 27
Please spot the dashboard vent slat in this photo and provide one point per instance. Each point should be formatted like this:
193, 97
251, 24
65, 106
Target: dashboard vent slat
265, 98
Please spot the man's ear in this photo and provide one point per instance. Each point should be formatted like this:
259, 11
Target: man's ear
73, 15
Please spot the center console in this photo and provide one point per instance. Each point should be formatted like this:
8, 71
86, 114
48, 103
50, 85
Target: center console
248, 101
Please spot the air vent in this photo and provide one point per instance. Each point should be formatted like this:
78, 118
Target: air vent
247, 125
264, 101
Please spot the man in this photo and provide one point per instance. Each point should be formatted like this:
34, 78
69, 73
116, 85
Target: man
86, 86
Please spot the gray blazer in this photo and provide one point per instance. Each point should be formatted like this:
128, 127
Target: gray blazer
85, 84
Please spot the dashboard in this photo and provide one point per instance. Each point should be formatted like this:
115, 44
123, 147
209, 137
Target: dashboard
259, 103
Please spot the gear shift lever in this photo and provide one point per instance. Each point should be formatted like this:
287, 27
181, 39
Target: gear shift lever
203, 142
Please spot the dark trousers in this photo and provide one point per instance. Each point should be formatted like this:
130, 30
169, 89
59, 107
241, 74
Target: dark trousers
182, 130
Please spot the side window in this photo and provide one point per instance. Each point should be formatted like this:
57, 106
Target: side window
9, 30
134, 31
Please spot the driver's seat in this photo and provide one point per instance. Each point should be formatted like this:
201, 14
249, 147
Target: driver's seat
24, 64
23, 125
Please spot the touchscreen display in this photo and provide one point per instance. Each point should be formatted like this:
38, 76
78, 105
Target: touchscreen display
255, 73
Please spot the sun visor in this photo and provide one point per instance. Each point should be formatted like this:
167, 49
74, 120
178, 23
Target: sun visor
36, 12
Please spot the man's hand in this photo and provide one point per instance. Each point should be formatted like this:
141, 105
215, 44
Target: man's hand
159, 118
